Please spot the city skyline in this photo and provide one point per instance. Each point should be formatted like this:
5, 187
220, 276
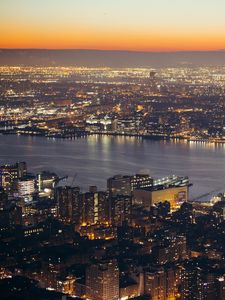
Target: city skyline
126, 25
112, 150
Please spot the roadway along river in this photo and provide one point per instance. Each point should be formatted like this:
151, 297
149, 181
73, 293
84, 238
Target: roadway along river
96, 158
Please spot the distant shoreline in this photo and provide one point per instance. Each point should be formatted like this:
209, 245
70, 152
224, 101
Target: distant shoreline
139, 136
109, 58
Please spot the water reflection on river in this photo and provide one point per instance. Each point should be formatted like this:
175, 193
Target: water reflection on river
96, 158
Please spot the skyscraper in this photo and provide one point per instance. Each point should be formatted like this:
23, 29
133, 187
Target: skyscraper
140, 181
69, 204
9, 174
119, 185
26, 187
124, 185
95, 208
155, 284
120, 209
102, 281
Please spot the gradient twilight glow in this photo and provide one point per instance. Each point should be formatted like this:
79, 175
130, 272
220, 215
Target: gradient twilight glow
159, 25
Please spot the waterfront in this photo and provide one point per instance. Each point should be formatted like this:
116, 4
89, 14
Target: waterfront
95, 158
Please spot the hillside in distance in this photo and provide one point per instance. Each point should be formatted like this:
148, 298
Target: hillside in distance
114, 59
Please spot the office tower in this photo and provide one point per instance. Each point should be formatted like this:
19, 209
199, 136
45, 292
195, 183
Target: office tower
102, 209
89, 208
191, 282
171, 249
8, 177
201, 283
171, 284
26, 187
155, 284
69, 204
140, 181
124, 185
21, 169
178, 248
9, 174
102, 281
95, 208
160, 284
120, 209
119, 185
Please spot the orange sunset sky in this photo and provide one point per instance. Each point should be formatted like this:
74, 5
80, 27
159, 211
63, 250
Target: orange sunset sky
144, 25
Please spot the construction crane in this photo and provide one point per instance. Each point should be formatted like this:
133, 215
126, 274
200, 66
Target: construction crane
208, 194
57, 180
74, 178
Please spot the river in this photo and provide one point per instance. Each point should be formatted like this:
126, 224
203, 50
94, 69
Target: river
95, 158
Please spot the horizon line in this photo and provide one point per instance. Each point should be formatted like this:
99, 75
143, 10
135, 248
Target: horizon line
115, 50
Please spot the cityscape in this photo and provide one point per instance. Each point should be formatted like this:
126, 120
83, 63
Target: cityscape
112, 150
170, 103
140, 238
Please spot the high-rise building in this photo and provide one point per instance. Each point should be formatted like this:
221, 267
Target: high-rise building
26, 187
69, 204
171, 284
9, 174
95, 208
174, 248
102, 281
160, 283
119, 185
120, 209
8, 177
124, 185
155, 284
103, 208
140, 181
21, 169
200, 284
191, 282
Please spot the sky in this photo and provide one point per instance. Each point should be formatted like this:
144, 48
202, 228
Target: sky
139, 25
